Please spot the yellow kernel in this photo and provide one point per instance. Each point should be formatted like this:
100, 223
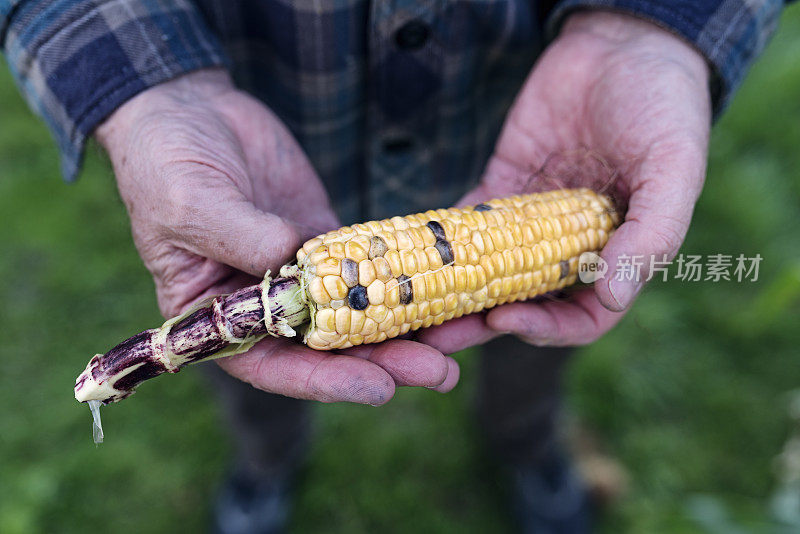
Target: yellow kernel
399, 314
488, 267
481, 276
392, 293
393, 332
416, 325
528, 239
416, 237
370, 327
386, 323
460, 274
329, 266
462, 234
411, 313
473, 256
354, 251
336, 304
498, 239
335, 286
450, 302
422, 259
316, 290
498, 262
356, 339
423, 309
477, 241
393, 257
409, 262
434, 258
399, 223
374, 226
357, 318
343, 320
326, 320
472, 277
449, 229
437, 306
382, 269
315, 342
376, 292
301, 255
318, 255
449, 277
459, 254
428, 321
366, 272
330, 337
547, 252
336, 250
494, 288
404, 241
488, 244
418, 288
310, 245
538, 256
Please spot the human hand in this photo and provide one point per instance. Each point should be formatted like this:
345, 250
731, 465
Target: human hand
638, 97
218, 191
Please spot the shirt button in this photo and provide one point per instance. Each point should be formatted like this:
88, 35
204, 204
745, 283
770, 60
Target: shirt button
397, 145
412, 35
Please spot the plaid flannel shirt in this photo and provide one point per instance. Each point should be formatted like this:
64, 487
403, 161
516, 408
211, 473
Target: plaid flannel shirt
396, 102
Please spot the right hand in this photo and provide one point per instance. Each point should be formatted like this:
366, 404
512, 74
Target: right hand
218, 191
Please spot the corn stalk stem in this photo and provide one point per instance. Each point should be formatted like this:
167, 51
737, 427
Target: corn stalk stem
219, 327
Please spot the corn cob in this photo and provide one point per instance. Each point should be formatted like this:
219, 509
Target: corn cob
374, 281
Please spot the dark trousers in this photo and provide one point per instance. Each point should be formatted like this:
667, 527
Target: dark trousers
518, 401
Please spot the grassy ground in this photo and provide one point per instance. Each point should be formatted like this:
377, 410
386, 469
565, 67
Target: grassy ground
689, 393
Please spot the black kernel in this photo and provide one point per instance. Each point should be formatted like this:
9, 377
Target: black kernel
445, 251
564, 269
406, 291
483, 207
357, 298
436, 228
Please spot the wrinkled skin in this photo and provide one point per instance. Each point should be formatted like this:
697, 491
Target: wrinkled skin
639, 98
218, 192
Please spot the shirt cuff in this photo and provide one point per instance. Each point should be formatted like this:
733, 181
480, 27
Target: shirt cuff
729, 33
77, 61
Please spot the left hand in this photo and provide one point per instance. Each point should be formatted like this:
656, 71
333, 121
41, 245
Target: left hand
639, 97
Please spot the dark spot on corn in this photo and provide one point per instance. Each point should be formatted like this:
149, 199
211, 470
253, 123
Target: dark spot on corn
349, 272
406, 291
445, 251
483, 207
357, 298
564, 269
438, 231
377, 247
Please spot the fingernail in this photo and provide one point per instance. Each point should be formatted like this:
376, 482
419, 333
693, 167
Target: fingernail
623, 291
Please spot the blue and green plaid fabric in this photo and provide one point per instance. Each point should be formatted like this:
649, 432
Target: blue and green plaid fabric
396, 102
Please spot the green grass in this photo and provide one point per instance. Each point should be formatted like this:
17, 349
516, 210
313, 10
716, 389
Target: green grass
689, 392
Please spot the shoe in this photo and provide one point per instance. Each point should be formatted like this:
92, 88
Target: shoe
248, 504
550, 498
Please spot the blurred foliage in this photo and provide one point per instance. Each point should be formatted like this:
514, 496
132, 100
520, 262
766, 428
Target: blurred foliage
689, 392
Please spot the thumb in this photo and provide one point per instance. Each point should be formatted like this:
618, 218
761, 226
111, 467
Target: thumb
220, 223
659, 212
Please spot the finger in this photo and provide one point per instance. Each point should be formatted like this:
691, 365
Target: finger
286, 368
578, 321
453, 374
409, 363
458, 334
659, 212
